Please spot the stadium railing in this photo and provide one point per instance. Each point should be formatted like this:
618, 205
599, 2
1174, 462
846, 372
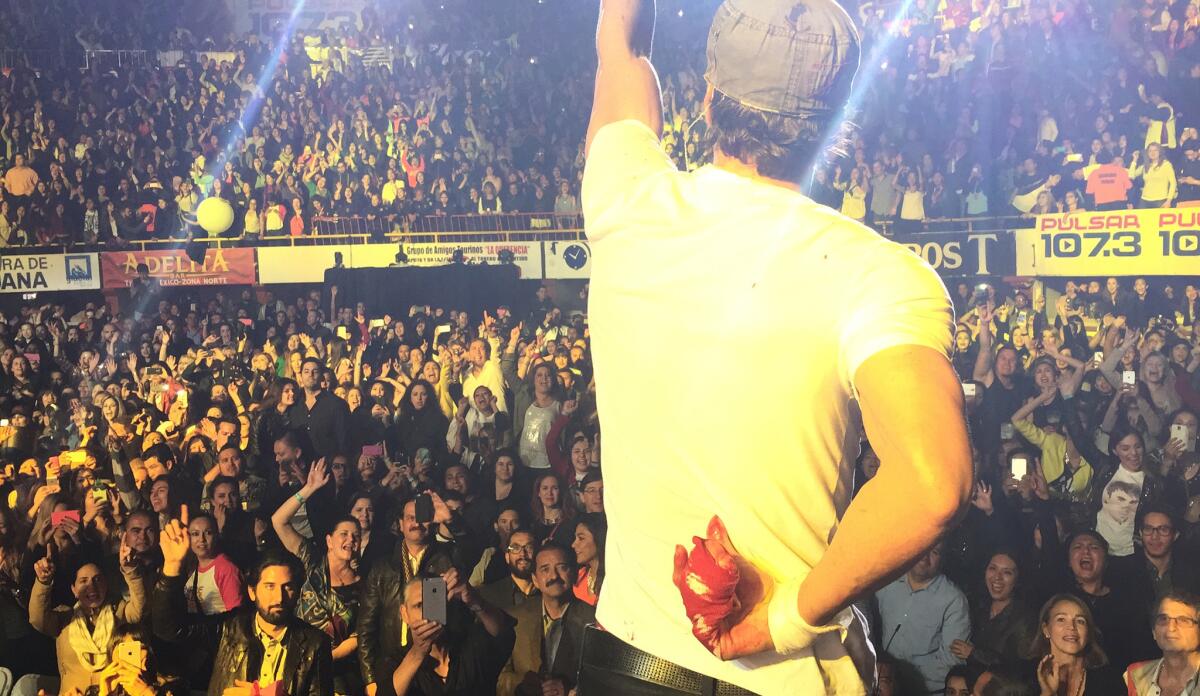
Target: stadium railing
472, 229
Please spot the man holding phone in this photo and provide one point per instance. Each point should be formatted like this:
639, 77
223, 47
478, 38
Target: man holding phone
382, 629
473, 650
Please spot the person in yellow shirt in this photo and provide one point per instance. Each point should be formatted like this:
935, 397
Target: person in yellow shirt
1064, 468
1159, 186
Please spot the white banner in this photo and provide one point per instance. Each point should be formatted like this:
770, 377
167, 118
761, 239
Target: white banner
49, 272
566, 260
308, 264
526, 255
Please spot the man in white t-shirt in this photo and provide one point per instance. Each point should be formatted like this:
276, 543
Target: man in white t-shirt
734, 262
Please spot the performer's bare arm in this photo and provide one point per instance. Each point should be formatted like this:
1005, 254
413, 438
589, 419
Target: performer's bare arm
912, 408
626, 83
913, 411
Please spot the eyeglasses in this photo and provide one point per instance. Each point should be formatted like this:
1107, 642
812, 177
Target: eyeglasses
1165, 530
1181, 621
521, 548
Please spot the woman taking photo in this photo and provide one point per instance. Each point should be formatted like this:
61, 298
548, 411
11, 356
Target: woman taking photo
131, 668
329, 596
82, 633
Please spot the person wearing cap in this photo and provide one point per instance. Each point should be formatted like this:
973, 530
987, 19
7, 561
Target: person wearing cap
739, 241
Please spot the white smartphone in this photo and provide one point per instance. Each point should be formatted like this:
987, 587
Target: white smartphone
1180, 432
1006, 431
969, 389
1129, 377
1098, 356
1020, 467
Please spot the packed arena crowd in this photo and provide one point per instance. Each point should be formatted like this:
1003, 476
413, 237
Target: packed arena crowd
168, 466
244, 492
964, 110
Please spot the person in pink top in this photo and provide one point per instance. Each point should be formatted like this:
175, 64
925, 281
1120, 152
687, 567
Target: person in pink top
215, 585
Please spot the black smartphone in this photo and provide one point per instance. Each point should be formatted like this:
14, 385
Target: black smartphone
424, 511
433, 600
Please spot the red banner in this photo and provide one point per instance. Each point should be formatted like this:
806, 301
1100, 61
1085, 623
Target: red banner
220, 267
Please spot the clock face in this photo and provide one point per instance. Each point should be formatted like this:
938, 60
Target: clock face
576, 256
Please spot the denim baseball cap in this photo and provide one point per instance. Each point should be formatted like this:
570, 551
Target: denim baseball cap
790, 57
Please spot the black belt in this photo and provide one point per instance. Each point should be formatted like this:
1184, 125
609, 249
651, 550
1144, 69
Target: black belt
604, 651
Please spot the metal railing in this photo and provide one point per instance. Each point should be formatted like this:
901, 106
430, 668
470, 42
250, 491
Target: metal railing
474, 229
104, 59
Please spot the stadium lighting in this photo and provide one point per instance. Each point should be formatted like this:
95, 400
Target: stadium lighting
869, 68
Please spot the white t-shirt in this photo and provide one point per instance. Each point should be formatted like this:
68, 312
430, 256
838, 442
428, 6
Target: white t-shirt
777, 301
1118, 510
532, 447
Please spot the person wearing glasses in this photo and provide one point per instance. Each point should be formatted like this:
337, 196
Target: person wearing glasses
508, 594
1156, 569
1177, 632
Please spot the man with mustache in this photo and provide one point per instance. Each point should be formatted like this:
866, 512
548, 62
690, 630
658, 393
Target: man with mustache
545, 658
256, 648
382, 632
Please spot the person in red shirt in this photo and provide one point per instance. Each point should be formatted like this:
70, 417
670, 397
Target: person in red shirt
1109, 184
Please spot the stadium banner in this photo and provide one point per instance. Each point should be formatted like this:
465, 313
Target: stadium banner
307, 264
268, 17
49, 272
568, 260
220, 267
959, 254
1162, 241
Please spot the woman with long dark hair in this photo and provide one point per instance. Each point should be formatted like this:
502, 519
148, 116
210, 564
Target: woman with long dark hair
1002, 626
273, 420
591, 529
421, 423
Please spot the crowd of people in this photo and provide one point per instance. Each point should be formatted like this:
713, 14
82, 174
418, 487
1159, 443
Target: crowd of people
241, 493
964, 109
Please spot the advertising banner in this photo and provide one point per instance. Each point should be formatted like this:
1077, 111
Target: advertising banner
220, 267
526, 255
49, 272
1122, 243
958, 254
269, 16
308, 264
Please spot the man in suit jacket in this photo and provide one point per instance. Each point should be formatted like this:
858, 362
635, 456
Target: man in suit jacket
545, 658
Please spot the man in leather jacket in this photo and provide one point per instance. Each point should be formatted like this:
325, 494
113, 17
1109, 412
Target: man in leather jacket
263, 645
381, 632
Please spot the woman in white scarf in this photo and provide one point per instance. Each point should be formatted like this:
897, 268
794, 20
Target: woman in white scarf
82, 633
